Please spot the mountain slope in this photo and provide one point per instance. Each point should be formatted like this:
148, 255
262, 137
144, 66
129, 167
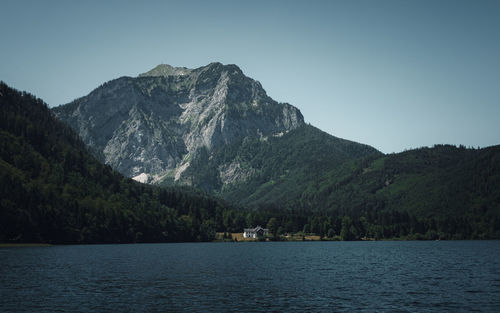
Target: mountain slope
444, 182
275, 170
212, 128
53, 190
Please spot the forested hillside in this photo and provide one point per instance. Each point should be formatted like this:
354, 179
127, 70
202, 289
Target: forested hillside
52, 190
450, 190
442, 181
277, 169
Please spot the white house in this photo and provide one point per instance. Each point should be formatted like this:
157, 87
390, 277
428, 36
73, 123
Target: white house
256, 232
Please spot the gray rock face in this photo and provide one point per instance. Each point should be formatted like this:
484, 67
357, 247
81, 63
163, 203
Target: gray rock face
149, 127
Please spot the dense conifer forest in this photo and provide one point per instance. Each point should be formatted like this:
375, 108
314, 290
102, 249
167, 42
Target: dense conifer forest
53, 190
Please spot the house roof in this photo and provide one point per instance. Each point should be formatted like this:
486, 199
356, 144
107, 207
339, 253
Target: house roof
254, 230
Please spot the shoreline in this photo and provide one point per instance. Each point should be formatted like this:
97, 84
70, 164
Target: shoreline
19, 245
235, 240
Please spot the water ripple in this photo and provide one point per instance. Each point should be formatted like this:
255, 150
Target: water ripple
449, 276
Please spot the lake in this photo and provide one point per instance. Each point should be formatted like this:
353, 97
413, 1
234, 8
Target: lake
384, 276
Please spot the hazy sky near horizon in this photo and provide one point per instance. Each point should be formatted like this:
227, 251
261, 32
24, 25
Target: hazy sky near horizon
393, 74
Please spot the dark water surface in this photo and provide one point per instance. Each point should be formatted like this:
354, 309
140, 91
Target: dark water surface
453, 276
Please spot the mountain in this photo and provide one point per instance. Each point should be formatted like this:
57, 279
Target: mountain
215, 129
453, 190
211, 127
151, 126
53, 190
442, 181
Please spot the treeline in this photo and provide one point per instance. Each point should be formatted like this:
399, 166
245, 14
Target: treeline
374, 225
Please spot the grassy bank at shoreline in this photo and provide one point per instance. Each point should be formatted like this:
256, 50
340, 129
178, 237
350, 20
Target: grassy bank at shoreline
237, 237
290, 237
12, 245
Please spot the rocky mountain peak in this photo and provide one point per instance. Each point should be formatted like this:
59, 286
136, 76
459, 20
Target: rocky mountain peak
166, 70
150, 127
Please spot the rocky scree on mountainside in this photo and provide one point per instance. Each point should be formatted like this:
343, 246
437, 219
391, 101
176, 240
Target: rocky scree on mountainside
152, 126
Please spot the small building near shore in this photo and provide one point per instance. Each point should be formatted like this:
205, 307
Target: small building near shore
257, 232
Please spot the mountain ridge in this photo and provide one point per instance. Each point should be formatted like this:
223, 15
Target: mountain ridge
153, 126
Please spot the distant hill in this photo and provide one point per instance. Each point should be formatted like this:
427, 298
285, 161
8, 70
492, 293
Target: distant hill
440, 181
456, 187
52, 190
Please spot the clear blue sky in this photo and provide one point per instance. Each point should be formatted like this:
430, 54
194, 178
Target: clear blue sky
393, 74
